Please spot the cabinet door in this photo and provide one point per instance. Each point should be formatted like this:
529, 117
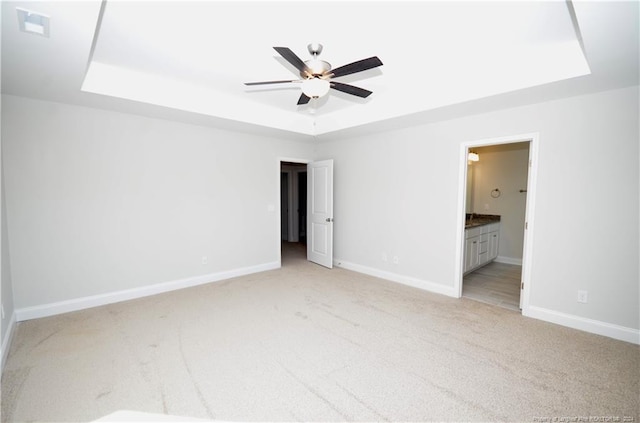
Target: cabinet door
467, 254
494, 239
471, 253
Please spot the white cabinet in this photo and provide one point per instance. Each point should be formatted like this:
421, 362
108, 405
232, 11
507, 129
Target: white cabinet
471, 254
494, 239
481, 245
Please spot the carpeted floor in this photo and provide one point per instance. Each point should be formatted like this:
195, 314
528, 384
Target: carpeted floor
304, 343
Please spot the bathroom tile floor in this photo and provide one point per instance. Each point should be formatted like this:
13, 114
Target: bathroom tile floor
496, 283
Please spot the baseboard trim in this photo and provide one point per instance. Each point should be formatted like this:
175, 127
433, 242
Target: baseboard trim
598, 327
6, 341
394, 277
51, 309
509, 260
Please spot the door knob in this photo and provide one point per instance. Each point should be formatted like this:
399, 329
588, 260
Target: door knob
329, 219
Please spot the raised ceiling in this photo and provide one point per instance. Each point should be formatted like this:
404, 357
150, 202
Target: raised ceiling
179, 59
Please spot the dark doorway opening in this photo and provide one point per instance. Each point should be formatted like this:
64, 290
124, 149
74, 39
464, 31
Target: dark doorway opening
293, 211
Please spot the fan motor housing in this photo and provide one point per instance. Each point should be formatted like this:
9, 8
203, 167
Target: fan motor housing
317, 67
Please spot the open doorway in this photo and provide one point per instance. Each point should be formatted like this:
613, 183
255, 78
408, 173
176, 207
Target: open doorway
293, 211
495, 233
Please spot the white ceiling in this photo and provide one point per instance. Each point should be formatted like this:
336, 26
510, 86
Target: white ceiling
188, 60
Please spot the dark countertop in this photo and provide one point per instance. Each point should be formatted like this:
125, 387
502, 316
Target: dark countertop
474, 219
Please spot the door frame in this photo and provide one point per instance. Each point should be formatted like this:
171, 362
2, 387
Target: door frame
527, 254
280, 160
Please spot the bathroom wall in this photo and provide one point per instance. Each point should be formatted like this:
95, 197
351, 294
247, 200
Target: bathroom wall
505, 168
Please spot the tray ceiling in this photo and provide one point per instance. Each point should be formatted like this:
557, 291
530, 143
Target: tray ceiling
193, 57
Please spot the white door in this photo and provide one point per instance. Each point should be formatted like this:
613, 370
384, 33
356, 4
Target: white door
320, 210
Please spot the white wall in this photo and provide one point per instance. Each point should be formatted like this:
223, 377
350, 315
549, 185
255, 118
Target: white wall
504, 167
6, 291
396, 193
6, 285
99, 202
6, 294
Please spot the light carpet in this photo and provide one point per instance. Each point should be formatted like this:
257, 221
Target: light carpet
304, 343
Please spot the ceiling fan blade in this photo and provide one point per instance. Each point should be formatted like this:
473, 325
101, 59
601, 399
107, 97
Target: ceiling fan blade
304, 99
291, 57
359, 66
269, 82
350, 89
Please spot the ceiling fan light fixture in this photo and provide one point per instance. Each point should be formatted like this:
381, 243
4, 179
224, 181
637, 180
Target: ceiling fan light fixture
315, 87
315, 74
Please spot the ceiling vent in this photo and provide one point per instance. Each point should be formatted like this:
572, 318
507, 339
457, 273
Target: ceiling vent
33, 23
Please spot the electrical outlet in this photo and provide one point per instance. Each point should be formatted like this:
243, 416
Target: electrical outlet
396, 260
205, 260
583, 296
384, 257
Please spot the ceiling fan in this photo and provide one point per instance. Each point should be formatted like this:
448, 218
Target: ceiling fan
317, 75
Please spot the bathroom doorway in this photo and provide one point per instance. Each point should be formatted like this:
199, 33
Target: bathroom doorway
496, 221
